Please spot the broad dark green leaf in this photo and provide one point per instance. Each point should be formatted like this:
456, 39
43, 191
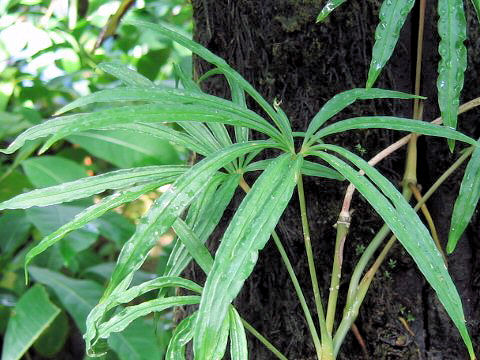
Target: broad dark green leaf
14, 230
69, 191
77, 296
410, 231
32, 315
52, 170
86, 216
128, 76
235, 259
137, 342
49, 219
393, 14
466, 201
394, 123
169, 207
181, 336
346, 98
451, 68
126, 148
53, 338
328, 8
226, 69
238, 339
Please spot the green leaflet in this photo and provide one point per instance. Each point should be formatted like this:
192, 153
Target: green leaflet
124, 73
33, 313
94, 320
476, 5
159, 95
181, 336
165, 132
466, 201
226, 69
122, 319
92, 185
247, 233
405, 224
328, 8
393, 123
309, 168
238, 339
88, 215
151, 113
193, 245
453, 62
208, 216
346, 98
169, 207
392, 17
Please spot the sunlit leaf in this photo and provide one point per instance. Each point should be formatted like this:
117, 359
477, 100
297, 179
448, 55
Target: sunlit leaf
451, 68
466, 201
247, 233
393, 14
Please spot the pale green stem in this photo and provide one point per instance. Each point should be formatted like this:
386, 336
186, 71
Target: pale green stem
296, 284
301, 297
264, 341
342, 231
327, 349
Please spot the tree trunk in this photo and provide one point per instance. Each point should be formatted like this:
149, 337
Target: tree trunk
277, 46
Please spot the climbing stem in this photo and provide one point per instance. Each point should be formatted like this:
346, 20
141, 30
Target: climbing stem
313, 331
264, 341
327, 350
343, 224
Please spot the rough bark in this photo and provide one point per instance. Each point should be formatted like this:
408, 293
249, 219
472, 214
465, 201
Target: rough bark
277, 46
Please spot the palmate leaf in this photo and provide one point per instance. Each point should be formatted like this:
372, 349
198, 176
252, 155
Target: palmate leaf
247, 233
227, 70
169, 207
92, 185
405, 224
151, 113
392, 17
346, 98
466, 201
328, 8
453, 62
394, 123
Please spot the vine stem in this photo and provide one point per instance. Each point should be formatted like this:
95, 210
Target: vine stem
293, 277
264, 341
357, 291
327, 345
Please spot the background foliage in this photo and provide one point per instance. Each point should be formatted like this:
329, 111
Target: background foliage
49, 52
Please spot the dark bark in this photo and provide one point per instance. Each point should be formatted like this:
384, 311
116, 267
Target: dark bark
277, 46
